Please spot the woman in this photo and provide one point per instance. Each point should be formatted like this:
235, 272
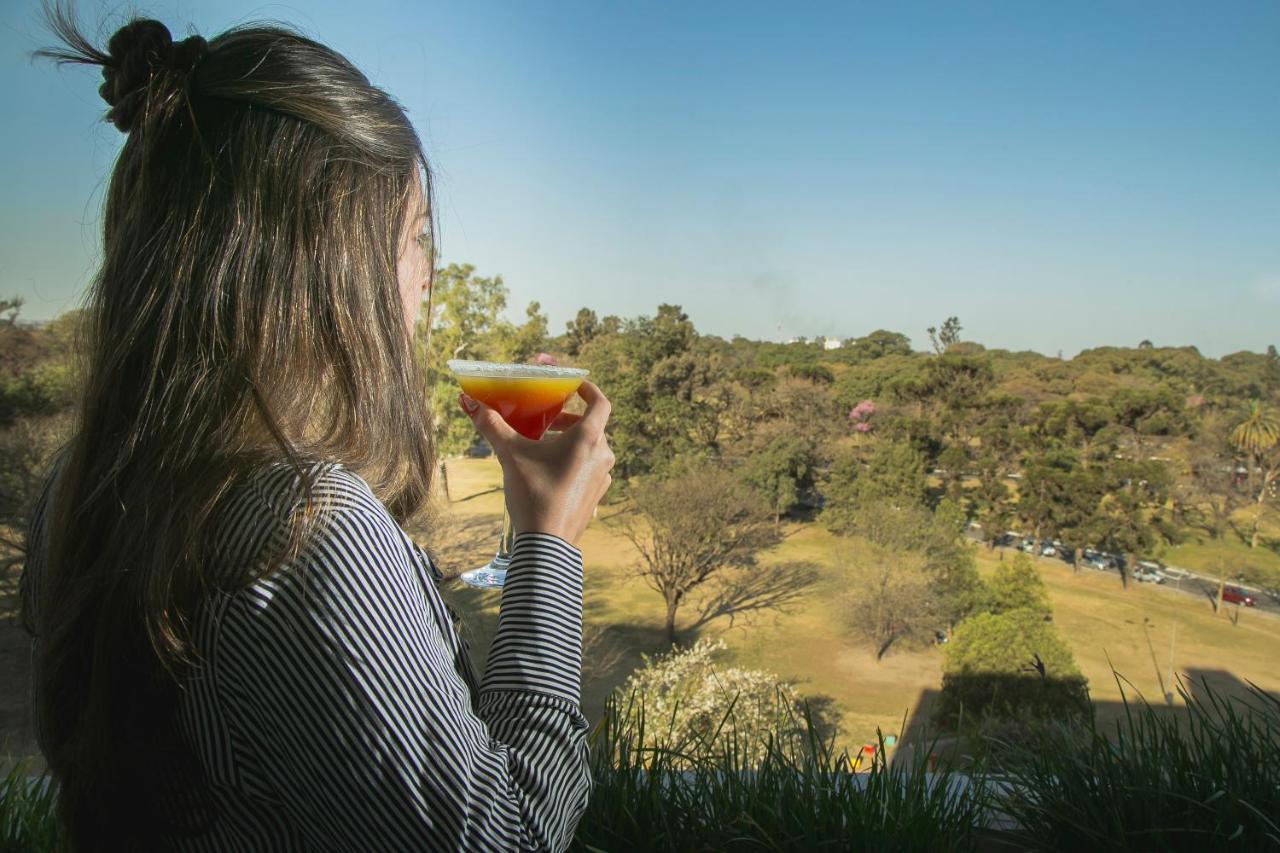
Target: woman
236, 645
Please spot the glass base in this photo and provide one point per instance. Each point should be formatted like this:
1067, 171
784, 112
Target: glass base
492, 576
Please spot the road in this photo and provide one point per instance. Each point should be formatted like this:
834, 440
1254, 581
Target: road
1196, 585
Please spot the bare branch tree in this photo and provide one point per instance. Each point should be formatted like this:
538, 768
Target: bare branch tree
697, 522
893, 600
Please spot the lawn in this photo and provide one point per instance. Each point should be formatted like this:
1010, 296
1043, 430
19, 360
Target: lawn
807, 639
1226, 556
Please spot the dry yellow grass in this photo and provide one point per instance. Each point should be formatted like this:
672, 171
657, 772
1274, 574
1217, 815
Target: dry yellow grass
811, 644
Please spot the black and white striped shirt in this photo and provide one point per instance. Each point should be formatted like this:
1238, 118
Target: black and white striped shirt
335, 706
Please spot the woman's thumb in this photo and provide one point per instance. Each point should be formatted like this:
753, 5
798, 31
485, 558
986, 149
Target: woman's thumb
487, 422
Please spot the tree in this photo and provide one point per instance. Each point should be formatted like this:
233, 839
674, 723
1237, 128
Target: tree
1257, 438
1128, 518
894, 474
952, 462
580, 330
655, 376
918, 575
950, 561
1016, 585
949, 335
12, 307
693, 524
1076, 424
782, 472
466, 323
891, 601
992, 498
1209, 475
819, 374
1010, 666
27, 449
1049, 496
1271, 371
878, 344
530, 337
1149, 412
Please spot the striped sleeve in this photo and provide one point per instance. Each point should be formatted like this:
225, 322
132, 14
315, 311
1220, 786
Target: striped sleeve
338, 683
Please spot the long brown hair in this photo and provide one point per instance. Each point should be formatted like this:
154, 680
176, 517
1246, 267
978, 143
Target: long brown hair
247, 311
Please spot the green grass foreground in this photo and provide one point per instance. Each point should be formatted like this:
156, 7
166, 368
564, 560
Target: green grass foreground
1204, 778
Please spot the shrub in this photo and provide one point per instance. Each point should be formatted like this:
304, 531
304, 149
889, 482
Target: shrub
797, 795
687, 699
1011, 666
1204, 777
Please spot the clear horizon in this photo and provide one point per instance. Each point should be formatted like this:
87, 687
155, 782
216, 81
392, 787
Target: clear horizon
1058, 178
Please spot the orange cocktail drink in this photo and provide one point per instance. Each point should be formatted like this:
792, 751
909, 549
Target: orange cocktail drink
528, 403
528, 397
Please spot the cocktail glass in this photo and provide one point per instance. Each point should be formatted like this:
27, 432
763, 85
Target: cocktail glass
528, 397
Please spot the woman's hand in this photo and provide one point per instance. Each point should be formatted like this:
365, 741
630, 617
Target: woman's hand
553, 485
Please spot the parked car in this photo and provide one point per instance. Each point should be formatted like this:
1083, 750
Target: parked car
1148, 571
1236, 595
1028, 547
1098, 563
1048, 551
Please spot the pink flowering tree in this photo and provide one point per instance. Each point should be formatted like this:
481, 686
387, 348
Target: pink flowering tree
860, 416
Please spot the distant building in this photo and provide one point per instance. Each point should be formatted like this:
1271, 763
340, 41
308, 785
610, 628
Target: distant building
832, 343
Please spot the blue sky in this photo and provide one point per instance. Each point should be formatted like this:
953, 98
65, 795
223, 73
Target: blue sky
1060, 176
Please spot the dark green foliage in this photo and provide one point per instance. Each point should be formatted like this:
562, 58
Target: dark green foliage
659, 377
878, 344
580, 330
771, 356
992, 499
1130, 515
1060, 498
755, 377
1077, 425
817, 373
1156, 411
950, 561
960, 379
893, 473
782, 472
872, 380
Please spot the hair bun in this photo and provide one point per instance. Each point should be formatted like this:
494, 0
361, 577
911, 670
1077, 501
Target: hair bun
137, 51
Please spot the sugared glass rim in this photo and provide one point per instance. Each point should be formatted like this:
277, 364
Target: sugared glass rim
501, 370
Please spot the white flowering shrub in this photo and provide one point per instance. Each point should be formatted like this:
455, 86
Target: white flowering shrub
691, 704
